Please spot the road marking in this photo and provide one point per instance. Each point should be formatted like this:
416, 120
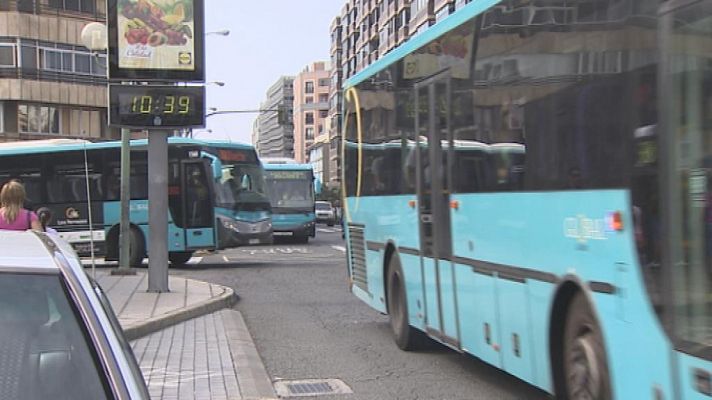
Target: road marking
328, 230
339, 248
226, 259
195, 260
277, 250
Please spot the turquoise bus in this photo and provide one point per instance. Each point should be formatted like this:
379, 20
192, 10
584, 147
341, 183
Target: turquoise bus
216, 194
530, 183
291, 189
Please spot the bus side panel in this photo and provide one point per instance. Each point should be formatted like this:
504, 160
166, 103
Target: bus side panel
414, 286
394, 221
693, 371
564, 234
138, 215
477, 311
515, 329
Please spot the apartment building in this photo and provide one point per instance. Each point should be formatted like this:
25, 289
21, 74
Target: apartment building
334, 116
366, 30
272, 136
50, 84
311, 108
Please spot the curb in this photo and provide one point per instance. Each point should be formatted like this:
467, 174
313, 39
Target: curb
144, 328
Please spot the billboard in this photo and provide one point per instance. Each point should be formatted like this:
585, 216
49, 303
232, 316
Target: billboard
156, 40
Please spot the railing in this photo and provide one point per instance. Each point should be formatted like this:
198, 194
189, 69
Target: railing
51, 76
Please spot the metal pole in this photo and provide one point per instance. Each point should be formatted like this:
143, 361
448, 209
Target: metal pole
124, 235
158, 211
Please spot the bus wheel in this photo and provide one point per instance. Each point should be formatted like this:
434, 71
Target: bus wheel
404, 334
585, 365
179, 258
137, 248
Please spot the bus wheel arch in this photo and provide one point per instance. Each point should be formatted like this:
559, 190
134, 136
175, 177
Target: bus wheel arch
389, 250
572, 306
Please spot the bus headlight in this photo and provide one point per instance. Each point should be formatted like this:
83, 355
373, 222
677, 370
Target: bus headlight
229, 224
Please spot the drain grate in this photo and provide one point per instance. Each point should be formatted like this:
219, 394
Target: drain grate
305, 389
311, 387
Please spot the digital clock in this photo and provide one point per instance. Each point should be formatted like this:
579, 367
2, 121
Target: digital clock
156, 107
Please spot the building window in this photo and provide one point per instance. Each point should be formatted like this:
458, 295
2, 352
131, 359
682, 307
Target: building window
323, 113
38, 119
309, 100
309, 87
309, 118
324, 98
7, 55
309, 133
324, 82
85, 6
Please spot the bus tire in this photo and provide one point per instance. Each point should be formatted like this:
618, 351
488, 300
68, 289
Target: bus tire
585, 366
137, 247
179, 258
406, 337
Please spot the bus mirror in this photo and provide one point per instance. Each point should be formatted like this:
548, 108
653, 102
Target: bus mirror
215, 163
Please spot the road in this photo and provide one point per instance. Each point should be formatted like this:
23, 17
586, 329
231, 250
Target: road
306, 325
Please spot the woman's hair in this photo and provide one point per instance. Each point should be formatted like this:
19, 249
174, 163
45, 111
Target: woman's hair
12, 198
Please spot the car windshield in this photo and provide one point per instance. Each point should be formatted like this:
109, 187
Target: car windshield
43, 347
323, 206
242, 187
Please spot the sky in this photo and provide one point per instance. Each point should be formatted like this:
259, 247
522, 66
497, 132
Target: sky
268, 39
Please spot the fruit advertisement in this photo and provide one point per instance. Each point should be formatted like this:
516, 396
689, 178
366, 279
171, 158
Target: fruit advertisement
156, 34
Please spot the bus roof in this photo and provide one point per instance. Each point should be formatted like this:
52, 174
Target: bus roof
465, 13
287, 167
56, 145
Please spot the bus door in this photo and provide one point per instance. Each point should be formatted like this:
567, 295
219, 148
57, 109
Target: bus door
433, 128
198, 218
686, 150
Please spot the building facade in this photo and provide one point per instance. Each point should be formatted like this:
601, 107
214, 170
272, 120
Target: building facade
311, 109
51, 86
274, 136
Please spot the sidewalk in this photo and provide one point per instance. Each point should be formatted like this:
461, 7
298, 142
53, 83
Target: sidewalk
188, 343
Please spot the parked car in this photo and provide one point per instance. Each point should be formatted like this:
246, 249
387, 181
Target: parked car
325, 212
59, 337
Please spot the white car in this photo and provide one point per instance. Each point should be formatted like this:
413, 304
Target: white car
324, 212
59, 337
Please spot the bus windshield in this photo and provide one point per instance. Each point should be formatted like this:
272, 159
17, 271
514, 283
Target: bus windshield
290, 189
242, 187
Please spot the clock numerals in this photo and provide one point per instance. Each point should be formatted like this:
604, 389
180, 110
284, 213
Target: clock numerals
170, 105
184, 103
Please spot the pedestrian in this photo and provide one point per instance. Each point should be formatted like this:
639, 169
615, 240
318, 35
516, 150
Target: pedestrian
12, 214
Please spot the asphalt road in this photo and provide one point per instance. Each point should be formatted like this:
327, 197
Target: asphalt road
306, 325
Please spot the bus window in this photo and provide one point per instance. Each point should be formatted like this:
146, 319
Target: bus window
68, 184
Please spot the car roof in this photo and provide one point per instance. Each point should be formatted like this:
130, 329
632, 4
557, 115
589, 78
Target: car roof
25, 251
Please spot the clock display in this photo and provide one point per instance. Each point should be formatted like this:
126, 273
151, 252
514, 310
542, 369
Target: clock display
150, 106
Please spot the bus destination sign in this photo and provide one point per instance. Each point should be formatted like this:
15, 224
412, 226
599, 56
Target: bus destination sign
156, 107
288, 175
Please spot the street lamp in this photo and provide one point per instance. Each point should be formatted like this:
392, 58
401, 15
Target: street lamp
224, 32
216, 83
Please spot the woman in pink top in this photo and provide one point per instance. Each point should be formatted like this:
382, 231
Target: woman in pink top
12, 216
